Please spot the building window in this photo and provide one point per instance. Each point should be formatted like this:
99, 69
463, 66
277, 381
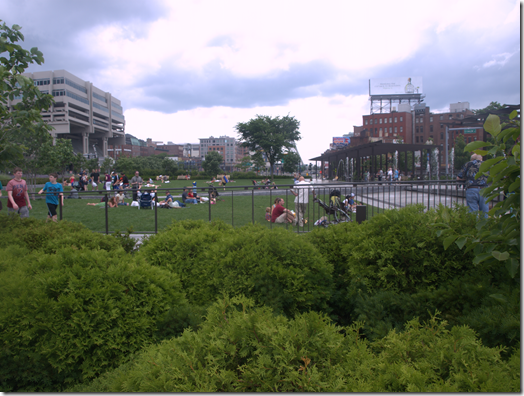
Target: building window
390, 119
390, 130
417, 139
416, 130
376, 121
421, 129
366, 122
59, 80
431, 119
450, 116
400, 129
441, 136
401, 119
395, 130
441, 117
441, 126
380, 120
395, 119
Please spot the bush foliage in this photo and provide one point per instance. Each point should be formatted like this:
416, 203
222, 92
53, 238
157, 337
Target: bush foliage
276, 268
69, 310
241, 348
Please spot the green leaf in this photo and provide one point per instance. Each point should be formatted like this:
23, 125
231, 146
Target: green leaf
513, 114
499, 298
488, 163
492, 125
500, 256
512, 266
461, 242
514, 186
481, 257
449, 240
475, 145
445, 215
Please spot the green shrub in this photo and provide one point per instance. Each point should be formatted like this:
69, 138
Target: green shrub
50, 237
239, 348
274, 267
69, 316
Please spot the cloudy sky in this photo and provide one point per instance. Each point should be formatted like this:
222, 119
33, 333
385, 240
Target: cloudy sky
190, 69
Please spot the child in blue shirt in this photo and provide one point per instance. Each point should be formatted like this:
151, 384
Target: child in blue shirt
53, 190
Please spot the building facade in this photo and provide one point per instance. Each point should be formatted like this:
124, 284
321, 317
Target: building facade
91, 118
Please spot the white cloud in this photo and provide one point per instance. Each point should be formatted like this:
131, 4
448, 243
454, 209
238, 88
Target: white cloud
320, 119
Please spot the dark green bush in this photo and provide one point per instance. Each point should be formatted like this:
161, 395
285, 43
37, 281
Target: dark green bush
274, 267
240, 348
50, 237
69, 316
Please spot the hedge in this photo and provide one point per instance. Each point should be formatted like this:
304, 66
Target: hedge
275, 267
241, 348
70, 310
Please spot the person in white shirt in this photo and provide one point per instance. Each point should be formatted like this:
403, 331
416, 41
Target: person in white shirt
301, 193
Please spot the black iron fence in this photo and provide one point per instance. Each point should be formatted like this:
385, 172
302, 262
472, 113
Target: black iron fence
371, 198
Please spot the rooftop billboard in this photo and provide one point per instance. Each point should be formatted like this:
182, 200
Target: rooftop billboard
395, 86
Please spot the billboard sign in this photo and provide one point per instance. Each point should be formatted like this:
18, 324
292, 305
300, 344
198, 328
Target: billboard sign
340, 141
395, 86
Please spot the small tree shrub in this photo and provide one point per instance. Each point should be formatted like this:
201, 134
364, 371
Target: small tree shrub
275, 267
69, 316
241, 348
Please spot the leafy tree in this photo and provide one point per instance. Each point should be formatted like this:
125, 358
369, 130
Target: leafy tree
107, 164
57, 157
274, 136
22, 128
291, 160
461, 157
489, 108
245, 163
258, 161
497, 239
212, 163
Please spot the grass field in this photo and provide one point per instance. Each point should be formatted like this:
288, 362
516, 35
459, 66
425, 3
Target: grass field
237, 210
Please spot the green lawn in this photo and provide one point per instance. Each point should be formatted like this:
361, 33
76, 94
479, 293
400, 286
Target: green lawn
232, 209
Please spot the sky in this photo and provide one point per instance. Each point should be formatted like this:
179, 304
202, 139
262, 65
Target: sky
185, 70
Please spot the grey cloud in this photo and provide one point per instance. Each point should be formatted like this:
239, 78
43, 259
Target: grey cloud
54, 25
169, 91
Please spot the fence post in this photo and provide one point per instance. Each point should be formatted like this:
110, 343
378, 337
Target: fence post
253, 206
232, 208
107, 218
60, 204
156, 218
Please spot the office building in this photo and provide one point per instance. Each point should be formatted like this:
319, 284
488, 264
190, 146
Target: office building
91, 118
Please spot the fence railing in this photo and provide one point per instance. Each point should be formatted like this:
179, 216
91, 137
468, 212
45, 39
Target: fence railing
238, 201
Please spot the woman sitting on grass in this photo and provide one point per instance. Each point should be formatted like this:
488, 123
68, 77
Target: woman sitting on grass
112, 203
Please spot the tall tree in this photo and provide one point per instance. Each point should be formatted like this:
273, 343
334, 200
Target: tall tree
212, 163
23, 123
290, 162
461, 157
258, 161
274, 136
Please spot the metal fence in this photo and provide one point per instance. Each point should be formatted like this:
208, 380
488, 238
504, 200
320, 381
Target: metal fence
374, 197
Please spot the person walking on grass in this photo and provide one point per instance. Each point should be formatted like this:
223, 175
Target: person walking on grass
17, 196
53, 190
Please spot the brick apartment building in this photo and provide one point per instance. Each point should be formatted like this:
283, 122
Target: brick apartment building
418, 126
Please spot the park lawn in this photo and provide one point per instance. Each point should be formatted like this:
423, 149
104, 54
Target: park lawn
235, 210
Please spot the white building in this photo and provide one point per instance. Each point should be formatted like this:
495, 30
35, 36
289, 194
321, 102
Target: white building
93, 119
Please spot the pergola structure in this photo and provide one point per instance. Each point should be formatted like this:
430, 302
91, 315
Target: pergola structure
373, 152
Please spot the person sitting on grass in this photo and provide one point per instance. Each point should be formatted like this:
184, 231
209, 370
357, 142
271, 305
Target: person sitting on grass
186, 198
268, 213
195, 196
120, 198
169, 199
112, 203
281, 214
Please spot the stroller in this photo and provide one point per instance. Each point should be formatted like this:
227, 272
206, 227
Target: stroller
213, 191
145, 200
335, 208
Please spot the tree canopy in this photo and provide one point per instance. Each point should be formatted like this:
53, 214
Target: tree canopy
212, 163
23, 123
273, 136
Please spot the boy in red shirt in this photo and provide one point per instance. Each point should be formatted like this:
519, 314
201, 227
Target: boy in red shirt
17, 195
